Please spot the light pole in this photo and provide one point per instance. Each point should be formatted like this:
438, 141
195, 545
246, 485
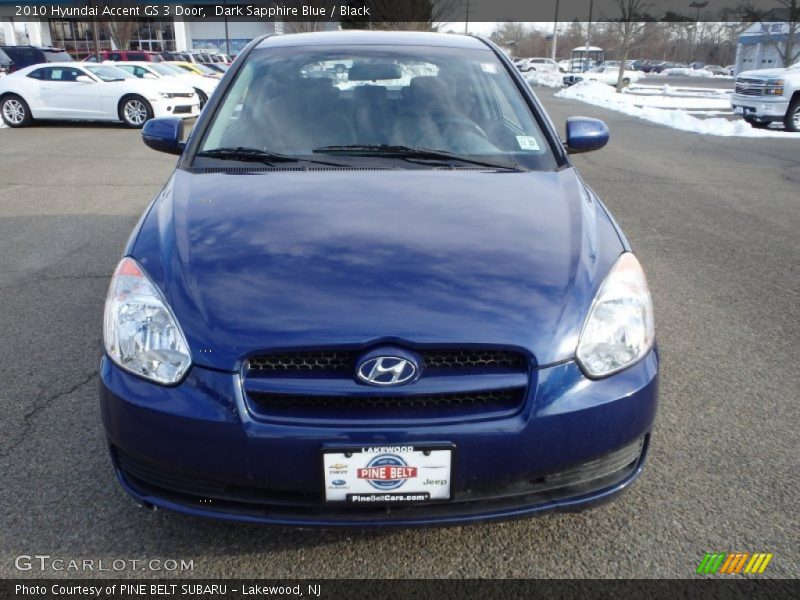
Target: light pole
698, 6
555, 35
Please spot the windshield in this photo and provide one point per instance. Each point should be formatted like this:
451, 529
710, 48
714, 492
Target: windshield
108, 73
161, 69
367, 103
172, 69
204, 69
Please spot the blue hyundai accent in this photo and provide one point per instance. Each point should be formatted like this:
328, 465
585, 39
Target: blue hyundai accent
375, 291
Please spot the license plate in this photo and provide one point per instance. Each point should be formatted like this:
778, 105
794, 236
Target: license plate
372, 475
738, 110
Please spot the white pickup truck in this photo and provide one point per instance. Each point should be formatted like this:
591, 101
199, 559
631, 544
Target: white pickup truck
770, 95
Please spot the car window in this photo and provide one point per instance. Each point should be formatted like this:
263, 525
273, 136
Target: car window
63, 74
38, 74
297, 101
115, 56
137, 56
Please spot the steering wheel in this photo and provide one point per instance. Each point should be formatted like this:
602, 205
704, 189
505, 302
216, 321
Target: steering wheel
449, 124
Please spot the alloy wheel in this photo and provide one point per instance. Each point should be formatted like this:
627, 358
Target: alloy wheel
13, 111
135, 112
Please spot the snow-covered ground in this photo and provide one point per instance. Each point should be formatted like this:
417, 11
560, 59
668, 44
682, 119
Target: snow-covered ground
670, 110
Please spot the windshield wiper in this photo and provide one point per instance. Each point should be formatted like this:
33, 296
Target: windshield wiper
243, 153
409, 153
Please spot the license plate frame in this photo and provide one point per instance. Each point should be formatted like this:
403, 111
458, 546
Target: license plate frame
391, 474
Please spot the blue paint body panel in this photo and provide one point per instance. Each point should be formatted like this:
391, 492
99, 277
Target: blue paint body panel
285, 260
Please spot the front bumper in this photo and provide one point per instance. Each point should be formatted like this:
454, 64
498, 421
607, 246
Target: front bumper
761, 108
184, 108
198, 449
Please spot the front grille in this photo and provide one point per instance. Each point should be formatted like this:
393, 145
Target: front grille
499, 399
321, 385
325, 361
182, 110
466, 359
335, 361
750, 87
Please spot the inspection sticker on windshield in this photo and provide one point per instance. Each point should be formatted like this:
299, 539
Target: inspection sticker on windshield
527, 142
387, 474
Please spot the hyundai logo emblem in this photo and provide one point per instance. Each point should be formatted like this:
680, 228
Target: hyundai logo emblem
386, 370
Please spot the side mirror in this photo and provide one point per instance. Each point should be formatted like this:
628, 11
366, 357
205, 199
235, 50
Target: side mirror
84, 79
585, 134
149, 76
164, 134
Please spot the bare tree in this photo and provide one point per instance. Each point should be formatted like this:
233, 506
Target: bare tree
122, 32
415, 15
632, 30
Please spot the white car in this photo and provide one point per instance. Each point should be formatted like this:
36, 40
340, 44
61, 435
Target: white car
542, 64
92, 92
604, 74
536, 64
203, 86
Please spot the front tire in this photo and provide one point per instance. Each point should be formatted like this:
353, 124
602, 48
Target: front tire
15, 111
135, 111
792, 119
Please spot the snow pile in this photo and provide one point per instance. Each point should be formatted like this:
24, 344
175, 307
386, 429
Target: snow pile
544, 78
604, 96
688, 72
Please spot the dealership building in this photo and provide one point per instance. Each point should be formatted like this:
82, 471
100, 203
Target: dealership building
761, 46
77, 37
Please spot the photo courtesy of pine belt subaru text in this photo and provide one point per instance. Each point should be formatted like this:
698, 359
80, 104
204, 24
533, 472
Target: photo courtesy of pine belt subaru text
376, 292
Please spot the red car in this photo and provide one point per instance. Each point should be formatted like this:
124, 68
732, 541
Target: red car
119, 55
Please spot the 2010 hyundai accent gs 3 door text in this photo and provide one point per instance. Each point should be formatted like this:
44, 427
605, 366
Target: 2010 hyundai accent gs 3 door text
375, 291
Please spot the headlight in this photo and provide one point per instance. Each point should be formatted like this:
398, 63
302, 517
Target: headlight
774, 87
140, 332
619, 329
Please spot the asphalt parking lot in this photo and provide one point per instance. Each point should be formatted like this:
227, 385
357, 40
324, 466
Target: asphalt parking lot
714, 221
721, 83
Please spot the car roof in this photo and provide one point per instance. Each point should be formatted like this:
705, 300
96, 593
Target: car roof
397, 38
61, 64
135, 63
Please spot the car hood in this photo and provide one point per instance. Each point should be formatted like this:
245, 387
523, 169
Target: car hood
207, 84
292, 258
763, 73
